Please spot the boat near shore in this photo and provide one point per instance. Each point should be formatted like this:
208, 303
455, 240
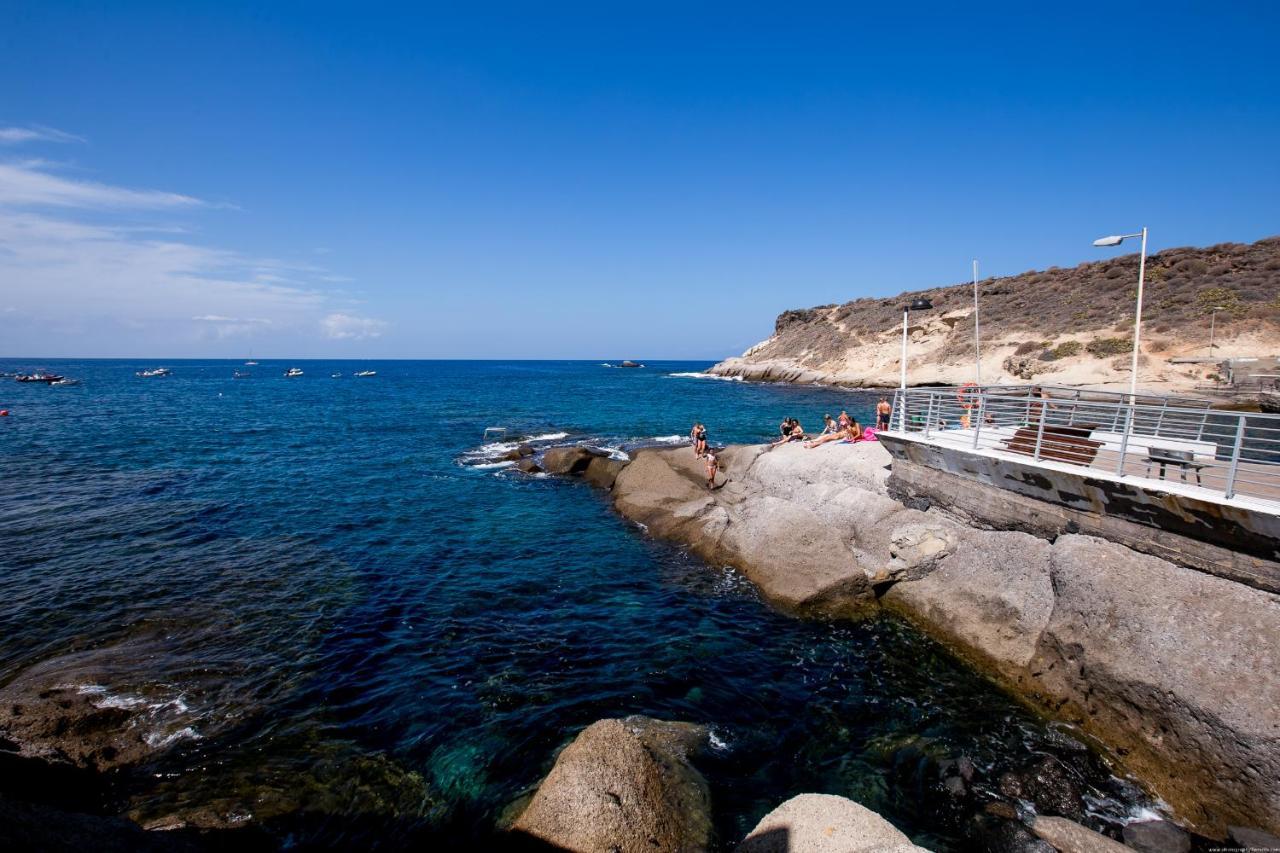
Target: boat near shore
292, 372
154, 373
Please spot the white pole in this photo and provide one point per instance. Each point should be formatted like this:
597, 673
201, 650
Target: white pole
1213, 319
905, 311
977, 345
1137, 321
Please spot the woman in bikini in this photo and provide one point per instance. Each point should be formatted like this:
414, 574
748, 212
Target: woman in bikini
851, 433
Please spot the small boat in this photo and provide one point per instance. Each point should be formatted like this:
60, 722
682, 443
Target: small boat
154, 372
240, 374
292, 371
64, 381
336, 375
367, 373
251, 363
39, 376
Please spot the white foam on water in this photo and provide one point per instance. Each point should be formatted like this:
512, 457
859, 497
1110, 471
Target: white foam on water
718, 743
706, 376
160, 739
614, 452
487, 465
670, 439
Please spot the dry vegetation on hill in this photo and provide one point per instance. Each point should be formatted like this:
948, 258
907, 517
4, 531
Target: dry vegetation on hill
1048, 319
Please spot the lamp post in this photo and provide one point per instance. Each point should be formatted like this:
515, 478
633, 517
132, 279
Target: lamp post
1116, 240
977, 344
919, 304
1213, 318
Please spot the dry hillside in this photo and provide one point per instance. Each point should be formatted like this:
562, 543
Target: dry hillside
1058, 325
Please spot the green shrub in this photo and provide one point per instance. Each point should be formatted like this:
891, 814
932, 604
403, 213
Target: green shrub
1066, 349
1103, 347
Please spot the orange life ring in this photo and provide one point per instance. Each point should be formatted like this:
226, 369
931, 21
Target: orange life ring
966, 394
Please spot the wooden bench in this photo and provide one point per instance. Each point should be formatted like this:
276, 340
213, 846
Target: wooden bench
1060, 443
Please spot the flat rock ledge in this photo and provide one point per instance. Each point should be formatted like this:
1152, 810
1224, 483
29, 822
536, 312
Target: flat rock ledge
824, 823
624, 785
1175, 671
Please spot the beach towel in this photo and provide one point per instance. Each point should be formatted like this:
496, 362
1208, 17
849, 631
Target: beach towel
869, 434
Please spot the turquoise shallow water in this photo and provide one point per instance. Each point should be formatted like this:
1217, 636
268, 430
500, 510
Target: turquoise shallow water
342, 620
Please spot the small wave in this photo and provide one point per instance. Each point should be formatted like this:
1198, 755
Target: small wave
707, 376
160, 739
670, 439
487, 465
718, 744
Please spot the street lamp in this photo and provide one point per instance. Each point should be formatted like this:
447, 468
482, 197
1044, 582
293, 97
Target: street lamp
918, 304
1213, 317
1116, 240
977, 345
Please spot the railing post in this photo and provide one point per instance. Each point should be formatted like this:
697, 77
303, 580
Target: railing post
1040, 434
1124, 439
982, 407
928, 416
1230, 490
1160, 418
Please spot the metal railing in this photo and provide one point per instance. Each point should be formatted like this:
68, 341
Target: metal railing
1152, 437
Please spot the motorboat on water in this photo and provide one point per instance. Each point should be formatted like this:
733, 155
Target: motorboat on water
335, 375
240, 374
251, 363
292, 372
367, 373
64, 381
39, 376
154, 372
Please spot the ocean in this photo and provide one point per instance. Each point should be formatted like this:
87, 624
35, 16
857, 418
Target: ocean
339, 617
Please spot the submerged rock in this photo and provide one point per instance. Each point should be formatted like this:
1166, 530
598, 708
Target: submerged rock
627, 786
1157, 836
824, 823
1254, 839
1047, 785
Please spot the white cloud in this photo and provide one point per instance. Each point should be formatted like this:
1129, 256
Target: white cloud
351, 327
91, 286
35, 133
28, 184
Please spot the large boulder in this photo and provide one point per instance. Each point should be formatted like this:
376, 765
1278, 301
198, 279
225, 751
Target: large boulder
1156, 836
603, 471
1070, 837
568, 460
824, 823
624, 785
1176, 668
990, 594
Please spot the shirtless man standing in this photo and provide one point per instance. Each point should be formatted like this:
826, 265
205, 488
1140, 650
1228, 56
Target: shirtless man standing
883, 411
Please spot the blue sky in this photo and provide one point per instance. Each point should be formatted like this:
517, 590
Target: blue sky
595, 180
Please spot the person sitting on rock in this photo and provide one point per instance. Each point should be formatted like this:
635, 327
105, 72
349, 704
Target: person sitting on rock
713, 465
793, 433
828, 425
852, 432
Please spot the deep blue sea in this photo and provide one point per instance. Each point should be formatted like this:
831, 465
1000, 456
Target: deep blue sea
340, 618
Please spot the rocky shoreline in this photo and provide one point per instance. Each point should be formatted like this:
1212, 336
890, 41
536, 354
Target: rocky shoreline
1171, 671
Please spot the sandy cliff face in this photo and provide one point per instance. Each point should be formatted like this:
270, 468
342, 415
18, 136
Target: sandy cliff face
1062, 326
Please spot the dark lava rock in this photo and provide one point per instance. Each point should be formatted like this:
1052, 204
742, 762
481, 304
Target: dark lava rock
997, 835
631, 364
1048, 785
603, 470
999, 808
568, 460
1157, 836
29, 826
626, 786
1253, 838
528, 466
520, 452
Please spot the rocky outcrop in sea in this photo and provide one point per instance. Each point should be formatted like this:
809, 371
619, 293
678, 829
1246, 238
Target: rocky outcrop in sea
1173, 671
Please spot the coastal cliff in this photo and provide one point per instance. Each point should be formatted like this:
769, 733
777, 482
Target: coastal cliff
1172, 670
1064, 326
